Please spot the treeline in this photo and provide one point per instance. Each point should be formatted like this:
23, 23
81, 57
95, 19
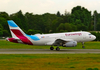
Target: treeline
80, 18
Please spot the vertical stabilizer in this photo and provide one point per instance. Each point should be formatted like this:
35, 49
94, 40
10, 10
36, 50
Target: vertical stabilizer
14, 29
18, 36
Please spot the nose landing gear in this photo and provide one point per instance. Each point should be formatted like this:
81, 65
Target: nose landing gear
57, 49
83, 45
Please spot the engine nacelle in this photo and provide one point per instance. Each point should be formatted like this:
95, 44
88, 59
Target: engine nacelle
70, 44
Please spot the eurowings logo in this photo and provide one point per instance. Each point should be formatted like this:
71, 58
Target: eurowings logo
73, 34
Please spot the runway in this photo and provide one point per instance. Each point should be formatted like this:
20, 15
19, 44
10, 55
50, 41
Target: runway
47, 51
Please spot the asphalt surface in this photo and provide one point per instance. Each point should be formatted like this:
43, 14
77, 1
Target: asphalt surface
47, 51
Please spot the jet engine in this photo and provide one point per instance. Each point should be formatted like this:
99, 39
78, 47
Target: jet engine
70, 44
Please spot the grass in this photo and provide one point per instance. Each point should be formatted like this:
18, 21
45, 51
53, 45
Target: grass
49, 62
9, 45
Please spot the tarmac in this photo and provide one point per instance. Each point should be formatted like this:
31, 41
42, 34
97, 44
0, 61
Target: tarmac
47, 51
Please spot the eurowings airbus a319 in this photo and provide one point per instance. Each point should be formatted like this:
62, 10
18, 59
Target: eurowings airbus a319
67, 39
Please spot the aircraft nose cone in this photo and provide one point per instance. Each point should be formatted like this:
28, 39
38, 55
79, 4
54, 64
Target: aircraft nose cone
94, 37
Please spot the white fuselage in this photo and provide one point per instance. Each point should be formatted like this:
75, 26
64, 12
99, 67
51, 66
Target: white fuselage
48, 39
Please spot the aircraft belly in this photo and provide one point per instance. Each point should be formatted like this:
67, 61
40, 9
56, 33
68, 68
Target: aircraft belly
42, 41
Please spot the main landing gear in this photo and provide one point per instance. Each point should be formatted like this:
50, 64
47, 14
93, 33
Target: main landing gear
52, 48
57, 49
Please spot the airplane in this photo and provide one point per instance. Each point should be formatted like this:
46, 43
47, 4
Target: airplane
67, 39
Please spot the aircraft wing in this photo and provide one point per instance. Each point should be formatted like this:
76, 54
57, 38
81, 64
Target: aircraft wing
58, 41
61, 41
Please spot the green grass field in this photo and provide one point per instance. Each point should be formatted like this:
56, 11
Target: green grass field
9, 45
49, 61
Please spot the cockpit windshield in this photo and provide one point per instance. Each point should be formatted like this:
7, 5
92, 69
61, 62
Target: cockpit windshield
90, 34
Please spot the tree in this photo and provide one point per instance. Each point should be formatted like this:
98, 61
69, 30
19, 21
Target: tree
78, 21
4, 15
66, 13
61, 27
58, 14
3, 23
30, 32
5, 33
20, 19
1, 27
98, 25
68, 27
96, 19
81, 27
82, 15
1, 32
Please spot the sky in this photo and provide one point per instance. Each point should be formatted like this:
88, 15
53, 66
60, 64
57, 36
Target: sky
44, 6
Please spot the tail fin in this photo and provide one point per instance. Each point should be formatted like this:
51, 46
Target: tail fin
18, 36
15, 30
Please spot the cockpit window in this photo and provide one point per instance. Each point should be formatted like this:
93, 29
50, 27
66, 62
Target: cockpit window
90, 34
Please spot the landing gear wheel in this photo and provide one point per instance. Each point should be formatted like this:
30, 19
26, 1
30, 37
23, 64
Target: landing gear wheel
57, 48
51, 48
83, 46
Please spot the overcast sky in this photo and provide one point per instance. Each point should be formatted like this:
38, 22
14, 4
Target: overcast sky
44, 6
